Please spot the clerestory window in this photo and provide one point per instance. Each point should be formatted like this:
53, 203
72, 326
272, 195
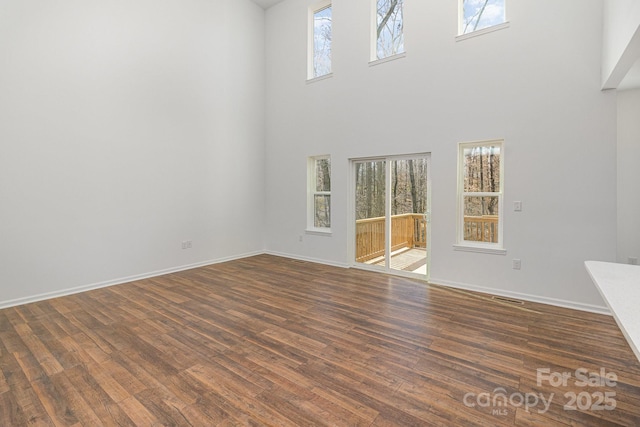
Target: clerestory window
478, 15
320, 34
388, 28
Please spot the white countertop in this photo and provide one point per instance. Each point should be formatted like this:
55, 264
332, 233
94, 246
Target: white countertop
619, 285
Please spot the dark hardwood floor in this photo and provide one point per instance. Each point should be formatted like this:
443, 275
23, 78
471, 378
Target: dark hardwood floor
273, 341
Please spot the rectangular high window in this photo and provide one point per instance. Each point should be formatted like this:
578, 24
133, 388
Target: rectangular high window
480, 192
320, 29
389, 28
477, 15
319, 193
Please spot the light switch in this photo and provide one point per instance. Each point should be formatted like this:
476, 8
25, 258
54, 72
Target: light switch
517, 206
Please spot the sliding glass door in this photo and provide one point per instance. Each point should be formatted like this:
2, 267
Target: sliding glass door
391, 200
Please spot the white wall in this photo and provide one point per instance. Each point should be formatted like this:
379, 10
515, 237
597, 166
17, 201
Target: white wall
536, 84
621, 35
126, 128
628, 175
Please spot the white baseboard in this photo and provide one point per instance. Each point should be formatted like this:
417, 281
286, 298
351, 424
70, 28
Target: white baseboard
464, 286
308, 259
120, 281
525, 297
491, 291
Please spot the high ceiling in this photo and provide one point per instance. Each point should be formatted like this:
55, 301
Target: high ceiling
631, 81
265, 4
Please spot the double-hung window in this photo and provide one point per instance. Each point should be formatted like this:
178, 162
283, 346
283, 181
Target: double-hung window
480, 195
320, 34
319, 194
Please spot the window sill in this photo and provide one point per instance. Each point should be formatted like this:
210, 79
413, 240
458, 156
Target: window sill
318, 232
387, 59
483, 31
319, 78
480, 249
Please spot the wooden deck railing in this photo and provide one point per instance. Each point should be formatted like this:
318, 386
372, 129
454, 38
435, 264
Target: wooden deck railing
481, 228
410, 231
407, 231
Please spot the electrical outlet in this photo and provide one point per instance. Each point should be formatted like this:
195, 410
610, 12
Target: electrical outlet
300, 238
517, 264
187, 244
633, 260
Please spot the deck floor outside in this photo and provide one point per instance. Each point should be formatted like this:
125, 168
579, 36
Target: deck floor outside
407, 259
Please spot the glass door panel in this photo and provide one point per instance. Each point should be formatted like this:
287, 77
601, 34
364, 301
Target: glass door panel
409, 208
370, 195
392, 214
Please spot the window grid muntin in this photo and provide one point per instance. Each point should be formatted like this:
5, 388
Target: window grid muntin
313, 193
494, 225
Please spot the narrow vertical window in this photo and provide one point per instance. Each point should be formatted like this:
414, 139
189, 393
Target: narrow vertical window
389, 28
320, 40
480, 14
480, 183
319, 195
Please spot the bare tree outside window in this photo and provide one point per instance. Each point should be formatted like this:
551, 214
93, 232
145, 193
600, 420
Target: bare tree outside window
322, 198
389, 28
320, 192
370, 189
482, 175
408, 188
322, 23
479, 14
481, 192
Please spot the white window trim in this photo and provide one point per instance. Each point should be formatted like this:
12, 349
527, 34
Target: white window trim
373, 39
324, 232
317, 7
311, 193
373, 46
319, 78
471, 246
481, 31
387, 59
